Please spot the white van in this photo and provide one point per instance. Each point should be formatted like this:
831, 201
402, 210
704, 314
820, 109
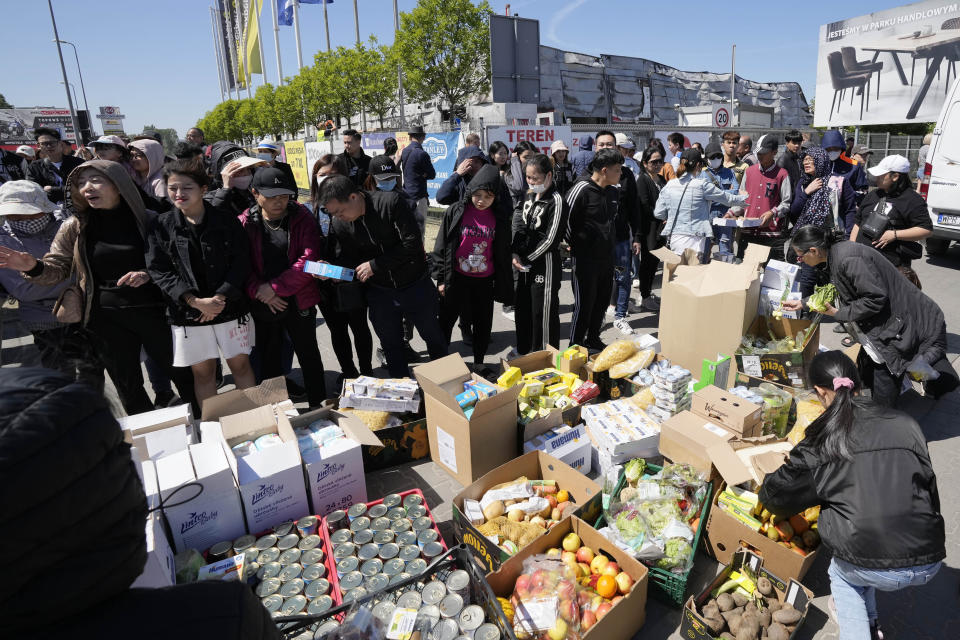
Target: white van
940, 185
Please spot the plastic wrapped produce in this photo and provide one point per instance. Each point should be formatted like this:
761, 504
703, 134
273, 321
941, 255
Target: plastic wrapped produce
545, 600
614, 354
776, 409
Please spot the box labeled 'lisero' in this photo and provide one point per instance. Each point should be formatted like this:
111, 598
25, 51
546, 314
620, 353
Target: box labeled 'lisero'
327, 270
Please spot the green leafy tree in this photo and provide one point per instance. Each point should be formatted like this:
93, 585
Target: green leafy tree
267, 113
169, 137
317, 104
377, 74
289, 107
249, 123
445, 49
4, 104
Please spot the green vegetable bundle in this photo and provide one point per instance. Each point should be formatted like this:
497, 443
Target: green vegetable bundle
821, 297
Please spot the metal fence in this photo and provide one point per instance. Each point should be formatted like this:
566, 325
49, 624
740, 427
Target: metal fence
884, 144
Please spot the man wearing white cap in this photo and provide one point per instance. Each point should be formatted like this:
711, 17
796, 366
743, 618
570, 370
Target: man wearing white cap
29, 223
626, 148
268, 150
26, 152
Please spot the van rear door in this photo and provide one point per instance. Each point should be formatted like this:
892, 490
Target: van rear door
944, 194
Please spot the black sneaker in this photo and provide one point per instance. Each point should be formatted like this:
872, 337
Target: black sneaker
295, 391
164, 399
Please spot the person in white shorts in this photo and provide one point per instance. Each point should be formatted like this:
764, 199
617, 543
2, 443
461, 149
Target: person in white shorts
199, 257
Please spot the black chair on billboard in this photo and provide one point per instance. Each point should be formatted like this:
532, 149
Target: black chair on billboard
852, 65
843, 80
953, 53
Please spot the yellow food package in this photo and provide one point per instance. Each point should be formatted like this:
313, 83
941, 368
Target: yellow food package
563, 402
643, 398
639, 360
568, 379
531, 389
546, 402
577, 383
614, 353
808, 410
546, 376
510, 377
558, 389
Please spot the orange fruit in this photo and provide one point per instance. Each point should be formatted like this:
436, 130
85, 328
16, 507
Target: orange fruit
607, 586
563, 495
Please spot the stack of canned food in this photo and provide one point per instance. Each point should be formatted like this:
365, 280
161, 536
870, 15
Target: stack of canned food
382, 544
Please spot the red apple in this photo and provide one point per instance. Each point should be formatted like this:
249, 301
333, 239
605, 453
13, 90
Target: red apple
588, 619
584, 597
569, 557
610, 569
566, 590
603, 609
585, 554
568, 610
615, 600
624, 582
538, 579
598, 563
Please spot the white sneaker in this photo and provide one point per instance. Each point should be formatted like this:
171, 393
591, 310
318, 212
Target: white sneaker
650, 303
623, 326
611, 311
509, 315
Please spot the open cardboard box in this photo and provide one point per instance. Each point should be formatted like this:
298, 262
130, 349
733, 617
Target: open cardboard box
692, 625
687, 437
788, 369
160, 432
626, 617
535, 465
466, 448
271, 391
733, 412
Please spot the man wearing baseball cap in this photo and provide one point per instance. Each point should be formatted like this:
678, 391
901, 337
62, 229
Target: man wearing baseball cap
769, 190
626, 148
268, 150
29, 223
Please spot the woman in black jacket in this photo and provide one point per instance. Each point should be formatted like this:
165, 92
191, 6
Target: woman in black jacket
649, 185
471, 260
538, 228
899, 327
869, 470
198, 256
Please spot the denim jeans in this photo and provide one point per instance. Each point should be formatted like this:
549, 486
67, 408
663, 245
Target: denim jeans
723, 236
855, 592
623, 276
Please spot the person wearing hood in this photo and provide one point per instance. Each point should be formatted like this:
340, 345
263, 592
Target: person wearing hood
834, 144
232, 174
538, 228
517, 180
59, 439
724, 179
469, 162
146, 160
268, 150
583, 157
105, 244
471, 260
563, 176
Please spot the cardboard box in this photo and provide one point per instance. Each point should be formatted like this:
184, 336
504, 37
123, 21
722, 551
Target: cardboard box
705, 310
770, 300
536, 465
728, 410
626, 618
783, 368
272, 391
335, 473
404, 443
781, 275
534, 361
792, 592
572, 447
671, 261
271, 481
571, 365
610, 388
160, 432
160, 570
687, 437
466, 448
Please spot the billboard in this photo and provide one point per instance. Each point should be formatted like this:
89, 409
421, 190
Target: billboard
540, 135
17, 125
901, 55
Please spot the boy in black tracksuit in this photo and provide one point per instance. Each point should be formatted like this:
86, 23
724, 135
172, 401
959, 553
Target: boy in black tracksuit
593, 206
538, 227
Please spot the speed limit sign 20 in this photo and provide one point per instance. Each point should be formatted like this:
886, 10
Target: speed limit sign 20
721, 117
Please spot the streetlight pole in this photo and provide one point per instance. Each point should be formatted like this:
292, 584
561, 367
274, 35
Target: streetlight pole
83, 89
63, 69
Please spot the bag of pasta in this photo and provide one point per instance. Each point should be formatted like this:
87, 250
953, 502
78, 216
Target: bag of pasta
639, 360
613, 354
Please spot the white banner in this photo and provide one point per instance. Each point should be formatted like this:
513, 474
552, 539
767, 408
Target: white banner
900, 54
541, 136
315, 150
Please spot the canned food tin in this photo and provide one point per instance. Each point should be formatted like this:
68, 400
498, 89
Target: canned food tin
384, 612
250, 555
392, 500
377, 511
451, 605
250, 569
371, 567
336, 520
272, 603
405, 538
316, 589
289, 556
314, 572
401, 525
268, 555
458, 582
431, 612
244, 542
421, 524
409, 600
288, 541
413, 499
319, 605
269, 570
268, 587
416, 567
445, 630
433, 592
364, 536
356, 511
409, 552
427, 535
293, 605
383, 537
363, 522
487, 631
470, 619
266, 542
340, 536
352, 580
380, 524
389, 551
396, 513
400, 577
312, 556
311, 541
345, 550
376, 583
347, 565
284, 528
325, 629
220, 551
292, 588
367, 551
416, 511
354, 594
308, 526
290, 572
393, 567
431, 550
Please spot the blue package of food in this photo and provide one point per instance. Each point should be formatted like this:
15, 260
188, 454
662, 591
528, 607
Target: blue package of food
467, 399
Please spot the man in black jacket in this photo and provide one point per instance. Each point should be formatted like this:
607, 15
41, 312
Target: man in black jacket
377, 233
51, 172
790, 159
358, 162
417, 169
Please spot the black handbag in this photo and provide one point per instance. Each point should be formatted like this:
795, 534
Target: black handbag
876, 221
349, 296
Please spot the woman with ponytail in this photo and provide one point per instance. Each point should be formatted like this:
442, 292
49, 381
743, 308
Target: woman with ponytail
900, 329
869, 470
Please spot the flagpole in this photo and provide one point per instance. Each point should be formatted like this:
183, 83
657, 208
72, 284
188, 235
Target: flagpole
326, 24
356, 20
216, 51
263, 63
296, 32
276, 41
396, 30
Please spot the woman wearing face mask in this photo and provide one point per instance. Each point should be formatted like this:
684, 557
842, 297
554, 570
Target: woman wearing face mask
649, 185
198, 256
562, 169
723, 178
884, 528
146, 160
232, 174
538, 228
105, 244
383, 175
517, 180
684, 204
822, 201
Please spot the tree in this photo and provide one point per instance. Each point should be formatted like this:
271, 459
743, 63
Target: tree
169, 137
249, 123
339, 80
377, 74
445, 49
267, 114
4, 104
289, 108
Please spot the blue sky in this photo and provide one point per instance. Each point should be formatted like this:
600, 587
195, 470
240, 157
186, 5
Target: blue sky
154, 59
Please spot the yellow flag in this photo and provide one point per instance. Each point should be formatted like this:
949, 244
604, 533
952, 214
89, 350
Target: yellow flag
252, 45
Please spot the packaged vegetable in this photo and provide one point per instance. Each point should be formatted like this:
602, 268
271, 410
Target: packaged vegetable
613, 354
809, 409
639, 360
776, 409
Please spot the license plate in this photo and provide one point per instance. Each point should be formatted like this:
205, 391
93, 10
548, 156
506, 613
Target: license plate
950, 221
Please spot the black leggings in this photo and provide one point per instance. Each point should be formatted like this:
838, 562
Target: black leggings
471, 299
301, 326
339, 323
